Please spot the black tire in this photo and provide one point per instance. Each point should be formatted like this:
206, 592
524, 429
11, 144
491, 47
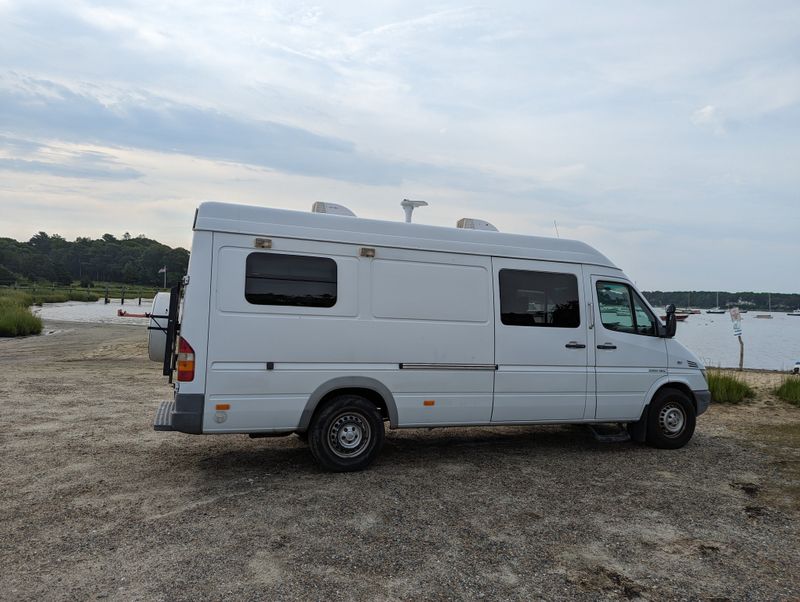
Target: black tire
346, 434
670, 420
303, 436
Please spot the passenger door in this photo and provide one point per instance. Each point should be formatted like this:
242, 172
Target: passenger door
540, 340
629, 355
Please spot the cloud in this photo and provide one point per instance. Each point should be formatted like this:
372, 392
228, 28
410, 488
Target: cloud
709, 117
81, 114
94, 172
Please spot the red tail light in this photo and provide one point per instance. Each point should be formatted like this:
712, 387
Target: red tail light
185, 362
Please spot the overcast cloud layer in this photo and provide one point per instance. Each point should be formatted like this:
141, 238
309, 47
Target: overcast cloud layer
665, 135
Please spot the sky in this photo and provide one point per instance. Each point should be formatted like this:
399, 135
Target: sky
666, 135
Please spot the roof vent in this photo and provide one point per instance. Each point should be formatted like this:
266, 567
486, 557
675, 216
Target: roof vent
469, 223
331, 208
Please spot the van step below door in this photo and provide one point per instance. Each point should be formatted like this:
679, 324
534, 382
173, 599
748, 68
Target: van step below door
609, 434
163, 421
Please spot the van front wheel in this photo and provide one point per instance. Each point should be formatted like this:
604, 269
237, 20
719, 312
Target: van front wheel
347, 434
670, 420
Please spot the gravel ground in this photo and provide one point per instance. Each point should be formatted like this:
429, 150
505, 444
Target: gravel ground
96, 505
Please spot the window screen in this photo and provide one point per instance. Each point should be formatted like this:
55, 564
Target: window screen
273, 279
539, 299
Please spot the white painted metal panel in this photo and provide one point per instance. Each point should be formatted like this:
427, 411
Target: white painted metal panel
627, 366
306, 226
539, 376
431, 291
307, 346
195, 309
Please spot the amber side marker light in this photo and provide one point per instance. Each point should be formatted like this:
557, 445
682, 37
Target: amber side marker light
222, 406
429, 402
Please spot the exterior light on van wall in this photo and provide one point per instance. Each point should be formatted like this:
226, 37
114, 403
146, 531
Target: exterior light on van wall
263, 243
367, 252
185, 361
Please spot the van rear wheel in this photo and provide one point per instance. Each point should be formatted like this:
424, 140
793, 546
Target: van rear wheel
670, 420
346, 434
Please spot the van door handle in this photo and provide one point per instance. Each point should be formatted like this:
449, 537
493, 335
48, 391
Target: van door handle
575, 345
607, 346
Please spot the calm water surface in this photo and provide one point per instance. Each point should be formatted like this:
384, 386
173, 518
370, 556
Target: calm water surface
99, 312
771, 344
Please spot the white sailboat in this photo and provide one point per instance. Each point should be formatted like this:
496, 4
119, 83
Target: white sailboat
717, 309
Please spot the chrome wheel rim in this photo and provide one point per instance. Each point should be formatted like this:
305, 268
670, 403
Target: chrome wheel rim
349, 435
672, 419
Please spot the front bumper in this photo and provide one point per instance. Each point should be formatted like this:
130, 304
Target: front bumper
703, 399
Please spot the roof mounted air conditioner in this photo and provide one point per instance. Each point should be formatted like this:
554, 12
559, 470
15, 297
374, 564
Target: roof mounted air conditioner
331, 208
470, 223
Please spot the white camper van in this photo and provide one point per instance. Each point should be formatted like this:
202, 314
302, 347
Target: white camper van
330, 326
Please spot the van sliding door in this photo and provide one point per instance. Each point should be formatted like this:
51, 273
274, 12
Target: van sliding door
541, 338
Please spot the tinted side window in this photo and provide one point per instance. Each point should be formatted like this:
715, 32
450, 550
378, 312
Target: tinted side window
614, 302
539, 299
273, 279
622, 310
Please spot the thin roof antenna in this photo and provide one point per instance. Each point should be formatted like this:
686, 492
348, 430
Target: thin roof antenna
556, 225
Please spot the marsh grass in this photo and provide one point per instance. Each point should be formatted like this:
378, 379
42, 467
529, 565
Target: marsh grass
28, 298
727, 388
789, 390
16, 319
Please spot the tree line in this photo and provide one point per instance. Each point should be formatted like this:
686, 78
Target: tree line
52, 258
707, 299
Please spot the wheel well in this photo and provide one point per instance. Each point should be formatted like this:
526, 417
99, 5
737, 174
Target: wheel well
683, 388
373, 396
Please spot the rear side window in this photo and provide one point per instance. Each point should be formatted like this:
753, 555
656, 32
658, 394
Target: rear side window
547, 299
273, 279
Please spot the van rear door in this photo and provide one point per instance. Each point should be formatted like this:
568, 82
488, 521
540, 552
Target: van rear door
541, 338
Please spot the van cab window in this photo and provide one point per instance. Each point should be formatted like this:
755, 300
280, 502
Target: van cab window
621, 309
297, 280
539, 299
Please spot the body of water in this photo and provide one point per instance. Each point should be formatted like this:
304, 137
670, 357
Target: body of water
99, 312
769, 344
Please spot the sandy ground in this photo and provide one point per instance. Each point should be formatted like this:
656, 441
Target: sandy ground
96, 505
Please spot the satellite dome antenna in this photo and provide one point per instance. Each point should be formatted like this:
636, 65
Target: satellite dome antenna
408, 206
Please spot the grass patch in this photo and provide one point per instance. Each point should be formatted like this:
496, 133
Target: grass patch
790, 390
727, 388
28, 298
17, 320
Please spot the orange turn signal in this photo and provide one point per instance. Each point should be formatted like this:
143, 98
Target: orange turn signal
429, 402
222, 406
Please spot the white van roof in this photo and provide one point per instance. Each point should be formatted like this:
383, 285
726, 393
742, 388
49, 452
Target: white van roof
265, 221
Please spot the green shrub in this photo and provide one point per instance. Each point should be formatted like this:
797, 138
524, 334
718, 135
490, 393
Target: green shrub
727, 388
17, 320
790, 390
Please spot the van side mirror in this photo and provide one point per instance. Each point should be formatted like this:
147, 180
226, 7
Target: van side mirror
672, 322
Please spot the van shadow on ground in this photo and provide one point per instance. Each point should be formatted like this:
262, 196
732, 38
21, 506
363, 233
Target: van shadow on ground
403, 449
